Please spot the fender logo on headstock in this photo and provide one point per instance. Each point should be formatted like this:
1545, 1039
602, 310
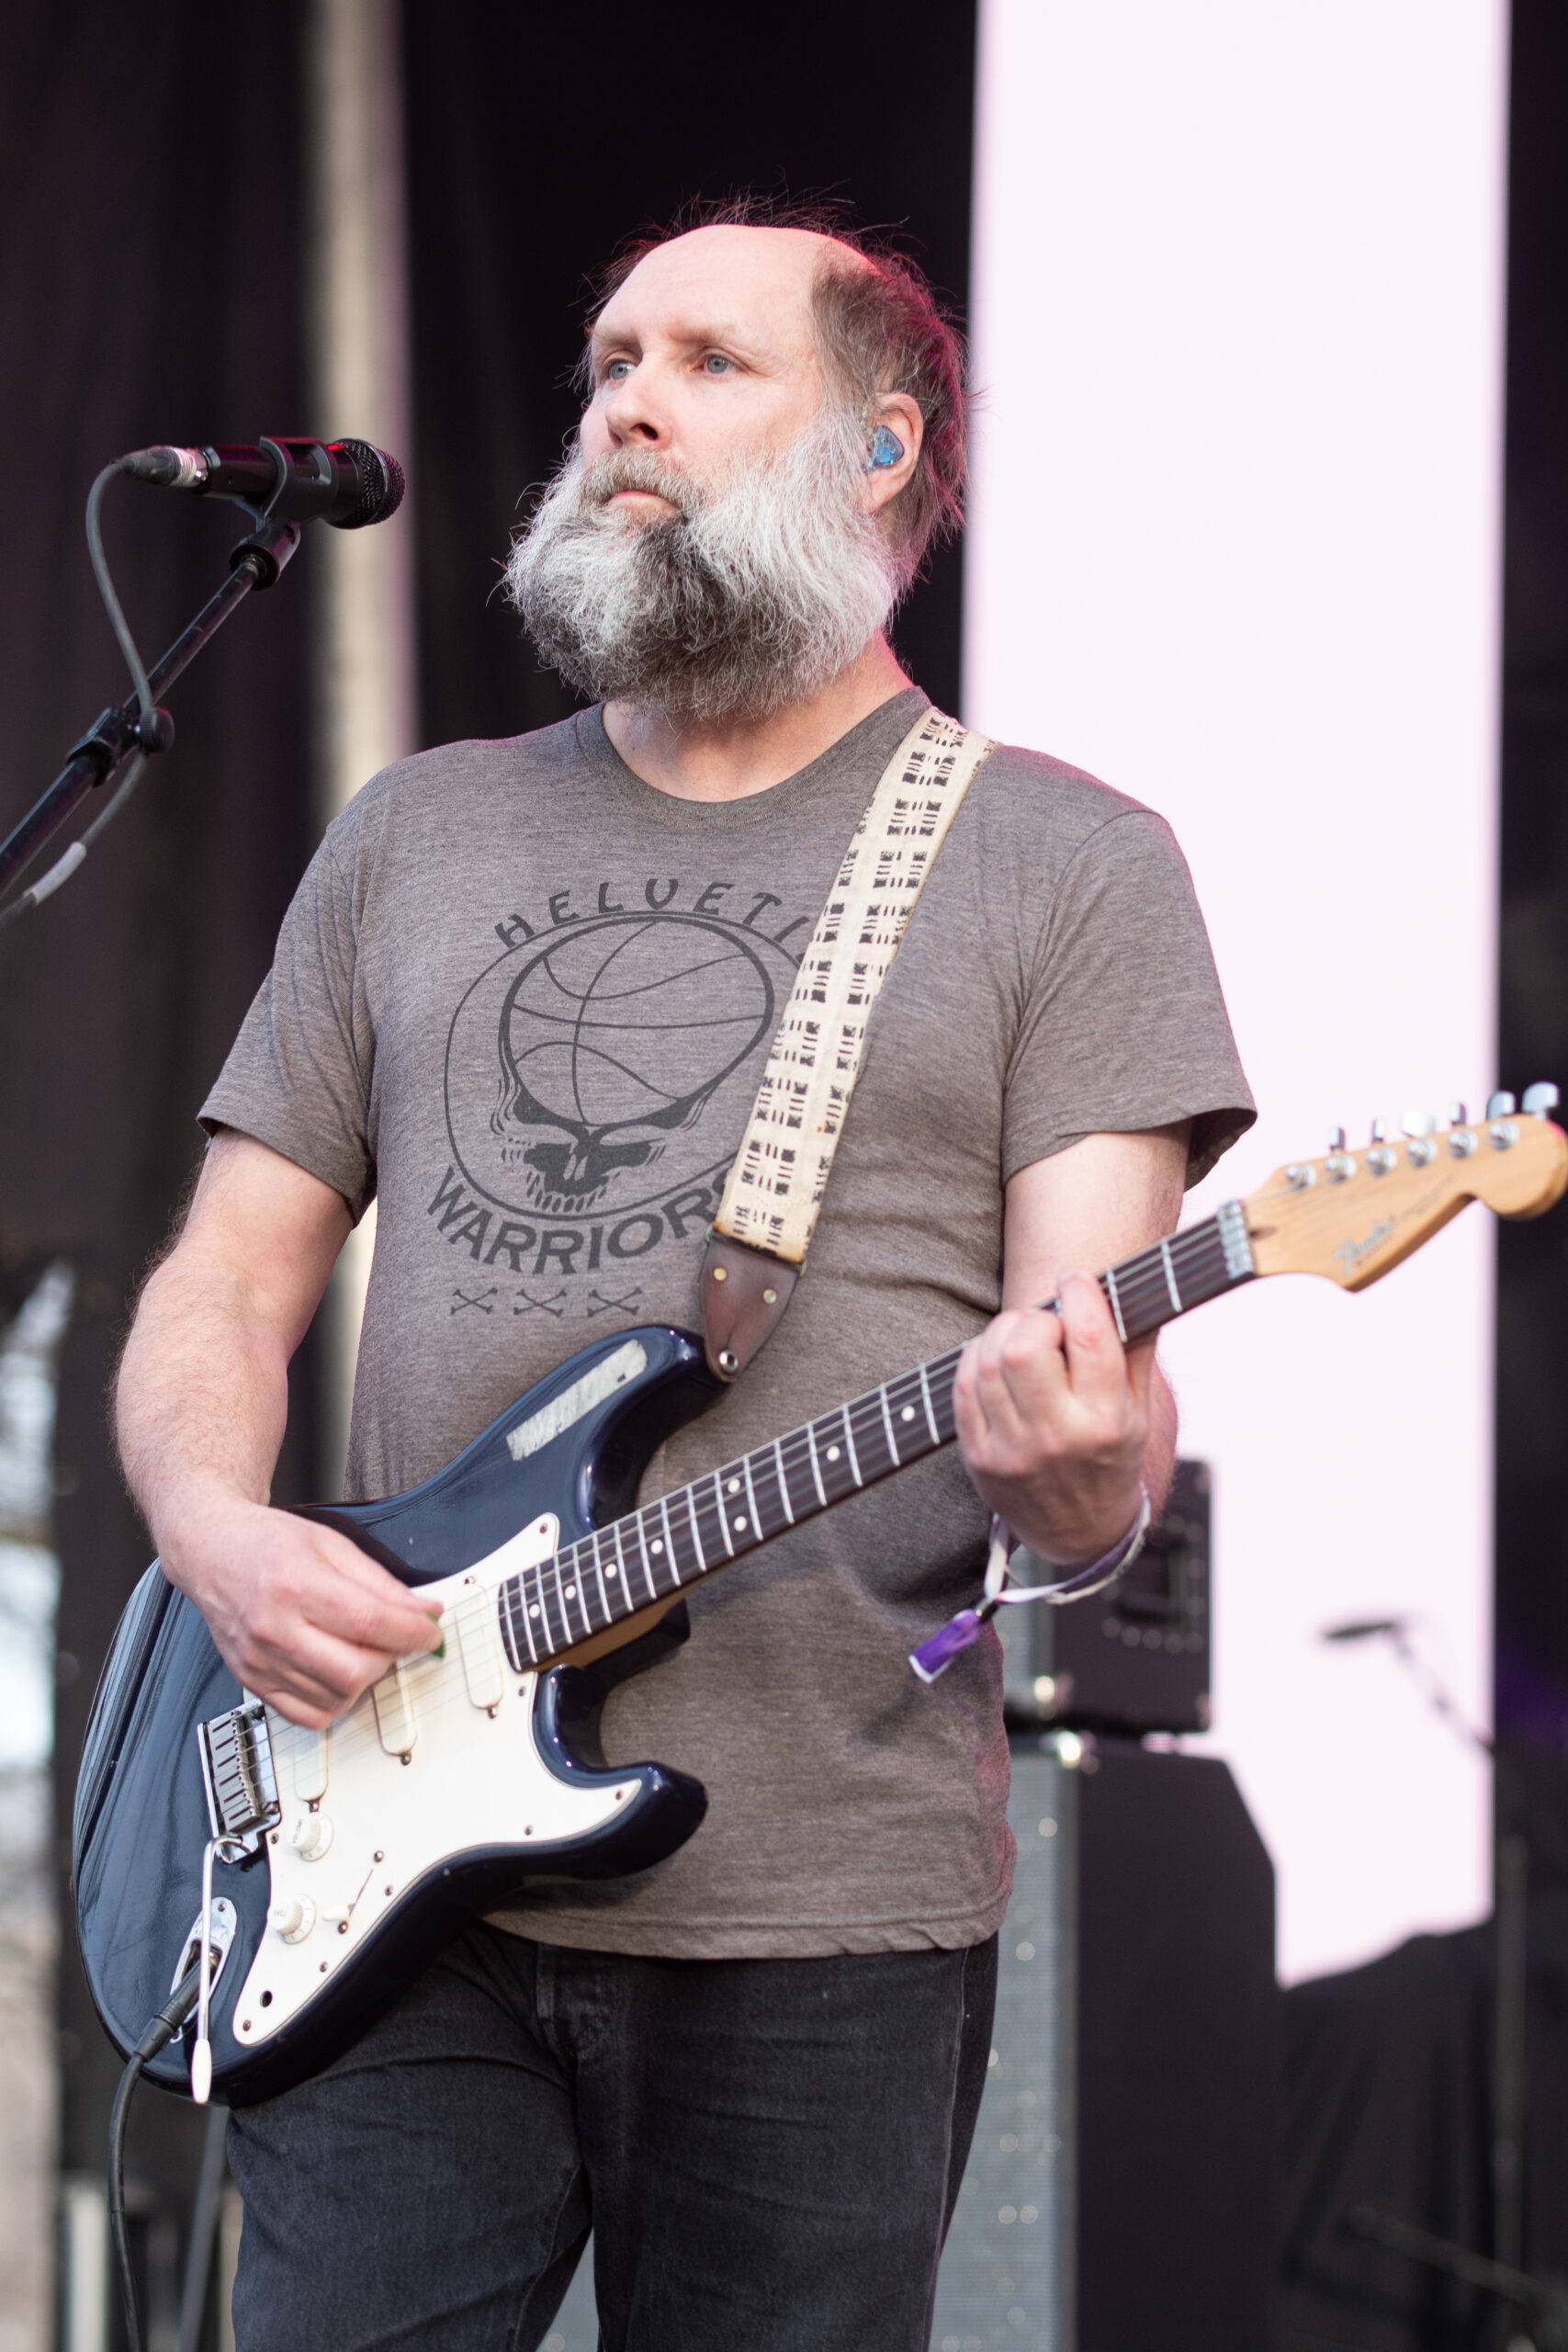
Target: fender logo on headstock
1415, 1183
1350, 1253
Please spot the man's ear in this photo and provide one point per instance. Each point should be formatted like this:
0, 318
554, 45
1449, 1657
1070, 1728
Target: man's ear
895, 431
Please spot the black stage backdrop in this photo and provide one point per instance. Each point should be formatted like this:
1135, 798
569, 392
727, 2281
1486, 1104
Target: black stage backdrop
1532, 1325
537, 141
150, 252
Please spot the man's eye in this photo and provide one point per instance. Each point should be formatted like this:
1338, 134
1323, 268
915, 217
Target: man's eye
716, 363
617, 371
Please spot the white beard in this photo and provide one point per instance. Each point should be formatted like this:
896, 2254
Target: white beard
762, 586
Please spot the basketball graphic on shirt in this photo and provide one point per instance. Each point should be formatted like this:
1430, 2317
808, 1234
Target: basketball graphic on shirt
611, 1039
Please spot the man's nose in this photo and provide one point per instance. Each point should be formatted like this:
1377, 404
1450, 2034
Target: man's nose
633, 413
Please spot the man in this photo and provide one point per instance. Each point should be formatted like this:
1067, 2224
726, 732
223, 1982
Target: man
522, 999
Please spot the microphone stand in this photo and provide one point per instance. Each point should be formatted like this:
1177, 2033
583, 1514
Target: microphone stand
1542, 2297
119, 735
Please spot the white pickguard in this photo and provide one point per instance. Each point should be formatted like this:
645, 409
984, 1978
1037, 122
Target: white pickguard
473, 1776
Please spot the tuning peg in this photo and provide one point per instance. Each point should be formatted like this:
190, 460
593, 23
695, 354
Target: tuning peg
1336, 1140
1540, 1099
1417, 1123
1458, 1116
1380, 1131
1500, 1106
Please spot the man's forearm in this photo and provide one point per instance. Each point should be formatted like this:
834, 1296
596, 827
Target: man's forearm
201, 1399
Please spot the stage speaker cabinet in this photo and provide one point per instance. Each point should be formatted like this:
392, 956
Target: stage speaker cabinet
1134, 1658
1120, 2196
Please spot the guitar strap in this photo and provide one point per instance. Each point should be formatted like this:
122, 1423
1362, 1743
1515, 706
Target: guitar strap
774, 1193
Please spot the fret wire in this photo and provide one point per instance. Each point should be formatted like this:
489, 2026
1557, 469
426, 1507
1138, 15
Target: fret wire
751, 1498
905, 1395
696, 1534
930, 1412
560, 1601
581, 1567
542, 1603
520, 1618
849, 1442
670, 1561
816, 1464
1198, 1242
1174, 1275
703, 1499
783, 1476
1141, 1276
723, 1511
639, 1521
573, 1593
536, 1611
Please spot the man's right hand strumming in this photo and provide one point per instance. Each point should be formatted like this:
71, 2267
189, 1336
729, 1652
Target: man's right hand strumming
301, 1614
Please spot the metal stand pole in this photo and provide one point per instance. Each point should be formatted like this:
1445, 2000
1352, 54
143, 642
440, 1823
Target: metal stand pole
103, 751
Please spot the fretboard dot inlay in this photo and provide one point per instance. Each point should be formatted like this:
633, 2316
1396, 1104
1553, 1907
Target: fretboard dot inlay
809, 1475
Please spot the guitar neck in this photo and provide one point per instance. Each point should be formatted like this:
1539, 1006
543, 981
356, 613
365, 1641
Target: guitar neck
653, 1554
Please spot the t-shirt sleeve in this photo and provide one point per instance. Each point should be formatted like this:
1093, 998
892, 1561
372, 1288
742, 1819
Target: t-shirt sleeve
299, 1075
1124, 1024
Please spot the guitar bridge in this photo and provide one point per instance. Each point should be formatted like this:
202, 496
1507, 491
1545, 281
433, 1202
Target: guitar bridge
238, 1774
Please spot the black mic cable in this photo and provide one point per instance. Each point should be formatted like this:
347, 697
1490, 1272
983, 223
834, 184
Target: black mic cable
161, 2032
347, 484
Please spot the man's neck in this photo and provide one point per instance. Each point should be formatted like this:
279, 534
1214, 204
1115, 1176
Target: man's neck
732, 759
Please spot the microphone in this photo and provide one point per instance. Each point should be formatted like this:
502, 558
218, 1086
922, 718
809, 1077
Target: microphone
346, 484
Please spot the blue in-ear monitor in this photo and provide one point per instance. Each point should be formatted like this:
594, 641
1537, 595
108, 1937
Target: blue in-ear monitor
885, 447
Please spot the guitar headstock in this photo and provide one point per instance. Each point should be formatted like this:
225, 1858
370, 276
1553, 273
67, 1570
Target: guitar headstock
1353, 1214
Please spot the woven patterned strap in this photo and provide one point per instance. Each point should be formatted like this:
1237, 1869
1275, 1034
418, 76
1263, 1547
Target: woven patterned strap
779, 1173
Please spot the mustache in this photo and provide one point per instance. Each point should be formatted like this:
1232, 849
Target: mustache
642, 469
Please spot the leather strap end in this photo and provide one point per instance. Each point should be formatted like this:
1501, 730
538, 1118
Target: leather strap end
744, 1294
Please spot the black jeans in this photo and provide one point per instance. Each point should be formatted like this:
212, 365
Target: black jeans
767, 2152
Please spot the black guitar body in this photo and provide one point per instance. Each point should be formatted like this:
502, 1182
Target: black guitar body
491, 1795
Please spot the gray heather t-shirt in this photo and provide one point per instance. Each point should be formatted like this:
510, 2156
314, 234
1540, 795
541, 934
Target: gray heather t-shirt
524, 1000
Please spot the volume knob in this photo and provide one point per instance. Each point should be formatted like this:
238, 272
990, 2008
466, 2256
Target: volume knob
310, 1834
292, 1917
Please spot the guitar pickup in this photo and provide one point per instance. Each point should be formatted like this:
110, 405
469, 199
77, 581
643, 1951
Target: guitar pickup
394, 1713
238, 1773
479, 1640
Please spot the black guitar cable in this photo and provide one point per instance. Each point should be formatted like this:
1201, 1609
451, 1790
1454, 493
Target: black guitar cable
159, 2033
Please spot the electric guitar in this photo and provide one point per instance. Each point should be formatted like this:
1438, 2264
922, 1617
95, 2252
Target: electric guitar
338, 1862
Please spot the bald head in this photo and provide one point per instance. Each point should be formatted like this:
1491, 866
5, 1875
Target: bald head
707, 352
754, 483
793, 316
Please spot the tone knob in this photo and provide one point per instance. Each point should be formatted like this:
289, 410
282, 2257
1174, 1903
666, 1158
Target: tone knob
292, 1917
310, 1834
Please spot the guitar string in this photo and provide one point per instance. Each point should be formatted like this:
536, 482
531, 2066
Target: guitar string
584, 1559
1144, 1269
1141, 1283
